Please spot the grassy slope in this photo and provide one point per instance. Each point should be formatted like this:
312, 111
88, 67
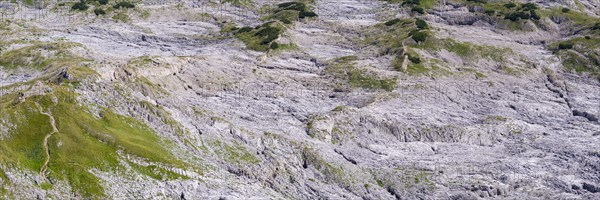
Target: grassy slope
83, 142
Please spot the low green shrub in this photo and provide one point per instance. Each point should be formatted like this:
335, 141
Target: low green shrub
99, 11
411, 2
244, 29
103, 2
565, 45
274, 45
534, 15
123, 4
414, 59
392, 22
305, 14
268, 33
418, 36
298, 6
515, 16
80, 6
418, 10
421, 24
510, 5
529, 7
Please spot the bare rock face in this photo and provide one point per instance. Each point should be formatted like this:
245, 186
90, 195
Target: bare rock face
336, 99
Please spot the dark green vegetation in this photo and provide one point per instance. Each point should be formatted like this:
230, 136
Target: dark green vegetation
123, 4
84, 141
81, 5
418, 9
261, 37
392, 22
421, 24
565, 45
580, 55
99, 11
419, 36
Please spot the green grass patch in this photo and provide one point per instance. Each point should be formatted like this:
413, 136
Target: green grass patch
417, 69
3, 180
46, 186
361, 78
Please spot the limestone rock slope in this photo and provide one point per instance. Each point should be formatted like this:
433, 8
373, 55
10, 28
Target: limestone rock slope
272, 99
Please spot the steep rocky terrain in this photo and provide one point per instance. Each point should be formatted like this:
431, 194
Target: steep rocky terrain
270, 99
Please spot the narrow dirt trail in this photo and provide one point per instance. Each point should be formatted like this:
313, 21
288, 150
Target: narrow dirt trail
46, 150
